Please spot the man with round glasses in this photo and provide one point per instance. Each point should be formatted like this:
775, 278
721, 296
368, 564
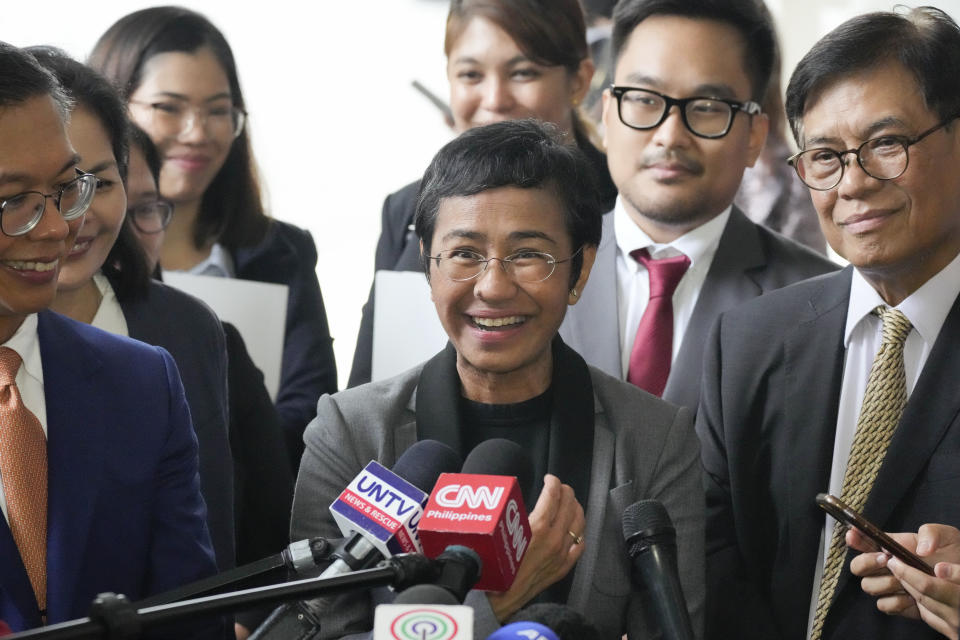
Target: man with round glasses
682, 122
844, 384
99, 487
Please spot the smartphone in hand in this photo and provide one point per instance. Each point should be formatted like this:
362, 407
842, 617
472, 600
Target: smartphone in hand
843, 513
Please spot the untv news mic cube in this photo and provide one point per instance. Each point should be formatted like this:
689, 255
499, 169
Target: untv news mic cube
484, 513
384, 508
422, 622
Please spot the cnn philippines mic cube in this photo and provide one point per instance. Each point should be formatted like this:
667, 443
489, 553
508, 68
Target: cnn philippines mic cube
485, 513
383, 507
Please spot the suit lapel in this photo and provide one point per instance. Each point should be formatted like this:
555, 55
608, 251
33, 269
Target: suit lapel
727, 284
595, 509
592, 326
75, 426
814, 356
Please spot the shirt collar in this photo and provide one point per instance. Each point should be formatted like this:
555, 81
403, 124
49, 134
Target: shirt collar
26, 343
926, 308
695, 244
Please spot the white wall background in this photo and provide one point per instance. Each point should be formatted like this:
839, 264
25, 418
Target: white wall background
335, 124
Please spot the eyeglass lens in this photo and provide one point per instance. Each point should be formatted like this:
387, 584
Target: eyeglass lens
703, 116
881, 158
219, 121
529, 266
22, 212
151, 217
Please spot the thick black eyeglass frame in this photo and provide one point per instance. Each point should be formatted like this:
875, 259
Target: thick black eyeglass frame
749, 107
905, 141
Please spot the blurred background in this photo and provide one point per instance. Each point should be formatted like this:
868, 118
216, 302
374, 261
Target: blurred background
335, 123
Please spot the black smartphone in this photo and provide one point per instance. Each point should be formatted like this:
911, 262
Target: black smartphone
843, 513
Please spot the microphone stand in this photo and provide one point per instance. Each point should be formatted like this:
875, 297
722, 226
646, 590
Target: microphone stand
113, 616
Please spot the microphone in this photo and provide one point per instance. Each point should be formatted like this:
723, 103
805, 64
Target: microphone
652, 546
483, 512
502, 457
524, 631
380, 510
565, 622
378, 513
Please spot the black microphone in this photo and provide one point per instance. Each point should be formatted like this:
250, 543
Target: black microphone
652, 546
420, 466
502, 457
458, 570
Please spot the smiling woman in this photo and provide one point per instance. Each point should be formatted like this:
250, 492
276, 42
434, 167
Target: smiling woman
178, 76
509, 222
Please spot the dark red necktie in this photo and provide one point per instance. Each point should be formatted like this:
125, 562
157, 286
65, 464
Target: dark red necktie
653, 345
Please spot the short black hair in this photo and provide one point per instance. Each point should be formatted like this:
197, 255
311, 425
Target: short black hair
520, 153
23, 78
92, 91
749, 17
925, 40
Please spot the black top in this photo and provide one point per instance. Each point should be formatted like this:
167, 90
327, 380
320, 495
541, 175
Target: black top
527, 423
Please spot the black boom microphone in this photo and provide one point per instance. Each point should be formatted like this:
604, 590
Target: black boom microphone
652, 546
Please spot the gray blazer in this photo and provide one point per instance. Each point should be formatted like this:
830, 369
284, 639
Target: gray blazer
193, 335
750, 260
642, 448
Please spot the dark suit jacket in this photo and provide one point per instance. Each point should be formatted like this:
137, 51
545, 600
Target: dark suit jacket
771, 391
308, 370
192, 334
750, 260
398, 249
124, 510
262, 479
640, 448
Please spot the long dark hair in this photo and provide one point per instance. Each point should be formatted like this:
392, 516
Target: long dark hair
231, 211
125, 265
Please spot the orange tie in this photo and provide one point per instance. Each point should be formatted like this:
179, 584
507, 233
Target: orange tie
23, 466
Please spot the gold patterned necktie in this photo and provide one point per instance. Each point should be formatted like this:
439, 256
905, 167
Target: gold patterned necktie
883, 403
23, 467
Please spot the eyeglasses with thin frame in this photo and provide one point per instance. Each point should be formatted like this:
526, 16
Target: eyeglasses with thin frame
460, 265
20, 213
703, 116
151, 217
175, 117
883, 158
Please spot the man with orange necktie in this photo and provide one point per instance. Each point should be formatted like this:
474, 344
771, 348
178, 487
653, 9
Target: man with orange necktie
682, 122
99, 485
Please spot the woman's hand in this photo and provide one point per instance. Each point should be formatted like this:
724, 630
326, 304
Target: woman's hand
903, 590
555, 520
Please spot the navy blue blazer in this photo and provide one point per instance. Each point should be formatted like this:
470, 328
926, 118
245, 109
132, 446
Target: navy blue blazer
288, 255
124, 508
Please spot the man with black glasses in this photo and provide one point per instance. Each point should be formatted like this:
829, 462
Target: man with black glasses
845, 383
682, 122
99, 488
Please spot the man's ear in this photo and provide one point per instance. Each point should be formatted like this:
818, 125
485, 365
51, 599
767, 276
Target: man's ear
759, 128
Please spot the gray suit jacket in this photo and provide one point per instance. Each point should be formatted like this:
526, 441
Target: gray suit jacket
642, 448
750, 260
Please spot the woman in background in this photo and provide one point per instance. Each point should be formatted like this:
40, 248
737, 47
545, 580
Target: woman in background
178, 76
94, 290
506, 60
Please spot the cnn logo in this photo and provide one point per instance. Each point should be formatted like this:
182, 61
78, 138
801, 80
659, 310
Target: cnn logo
454, 496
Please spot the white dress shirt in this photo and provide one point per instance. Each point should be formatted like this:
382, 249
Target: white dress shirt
633, 280
926, 309
29, 379
218, 264
109, 316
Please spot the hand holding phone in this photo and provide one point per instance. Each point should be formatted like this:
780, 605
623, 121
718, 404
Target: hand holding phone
843, 513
